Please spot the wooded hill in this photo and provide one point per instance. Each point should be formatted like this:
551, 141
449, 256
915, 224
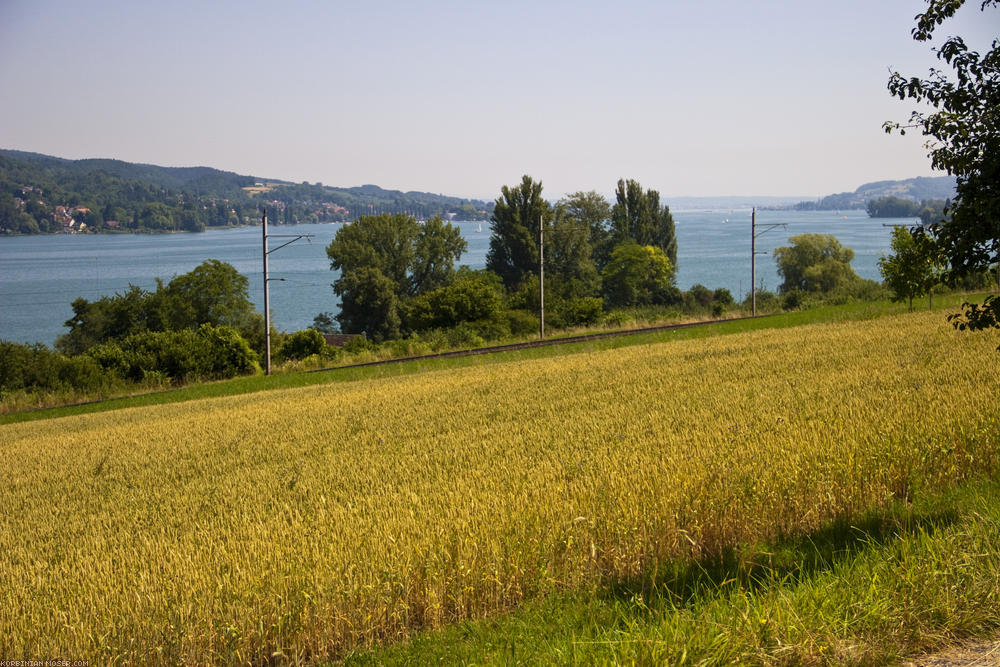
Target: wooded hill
42, 193
912, 189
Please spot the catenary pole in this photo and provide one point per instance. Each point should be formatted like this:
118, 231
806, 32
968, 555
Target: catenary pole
267, 280
267, 309
541, 278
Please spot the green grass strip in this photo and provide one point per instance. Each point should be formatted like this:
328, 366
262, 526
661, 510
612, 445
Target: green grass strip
899, 582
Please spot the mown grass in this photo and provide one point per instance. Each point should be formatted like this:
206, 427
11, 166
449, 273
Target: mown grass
897, 582
840, 313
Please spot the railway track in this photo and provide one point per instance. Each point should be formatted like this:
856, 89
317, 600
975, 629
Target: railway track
513, 347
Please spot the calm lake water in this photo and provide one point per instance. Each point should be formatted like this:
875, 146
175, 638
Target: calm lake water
41, 275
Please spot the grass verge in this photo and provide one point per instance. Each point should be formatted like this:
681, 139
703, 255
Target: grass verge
900, 581
247, 385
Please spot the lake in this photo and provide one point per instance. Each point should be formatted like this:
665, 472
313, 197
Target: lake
41, 275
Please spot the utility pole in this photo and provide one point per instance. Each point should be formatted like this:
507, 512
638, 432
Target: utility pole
753, 261
267, 305
753, 253
541, 277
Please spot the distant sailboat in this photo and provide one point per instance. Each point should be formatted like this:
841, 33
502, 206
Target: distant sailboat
479, 228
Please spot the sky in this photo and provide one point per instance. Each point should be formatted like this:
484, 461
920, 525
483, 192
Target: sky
721, 97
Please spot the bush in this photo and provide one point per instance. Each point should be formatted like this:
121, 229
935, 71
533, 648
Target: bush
521, 322
724, 297
792, 299
302, 344
35, 367
585, 310
702, 295
209, 353
767, 302
475, 295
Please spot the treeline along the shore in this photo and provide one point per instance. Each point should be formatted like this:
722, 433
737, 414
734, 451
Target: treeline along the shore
42, 194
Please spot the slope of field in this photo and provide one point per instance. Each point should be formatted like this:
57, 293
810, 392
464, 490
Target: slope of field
310, 521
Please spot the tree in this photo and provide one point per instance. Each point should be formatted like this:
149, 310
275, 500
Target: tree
964, 140
637, 275
325, 323
638, 216
369, 303
892, 207
214, 292
570, 272
514, 226
814, 263
593, 212
384, 260
914, 266
437, 247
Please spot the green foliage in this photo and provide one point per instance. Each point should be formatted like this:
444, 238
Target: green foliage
214, 293
134, 197
570, 271
438, 245
978, 316
369, 303
702, 295
638, 216
724, 297
475, 295
35, 368
325, 323
637, 275
581, 311
915, 265
302, 344
892, 207
383, 260
208, 353
814, 263
514, 227
964, 140
591, 211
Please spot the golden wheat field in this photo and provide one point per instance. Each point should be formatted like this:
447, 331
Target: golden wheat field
308, 522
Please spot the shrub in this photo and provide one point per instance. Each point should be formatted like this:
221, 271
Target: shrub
522, 322
702, 295
585, 310
792, 299
210, 352
724, 297
37, 368
302, 344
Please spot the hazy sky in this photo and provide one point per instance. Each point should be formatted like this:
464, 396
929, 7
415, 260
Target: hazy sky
769, 97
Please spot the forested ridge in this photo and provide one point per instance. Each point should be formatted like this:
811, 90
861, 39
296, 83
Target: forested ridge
45, 194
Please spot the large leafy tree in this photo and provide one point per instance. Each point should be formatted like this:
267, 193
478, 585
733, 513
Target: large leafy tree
814, 263
569, 264
514, 226
637, 275
384, 260
639, 217
214, 292
964, 139
591, 211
